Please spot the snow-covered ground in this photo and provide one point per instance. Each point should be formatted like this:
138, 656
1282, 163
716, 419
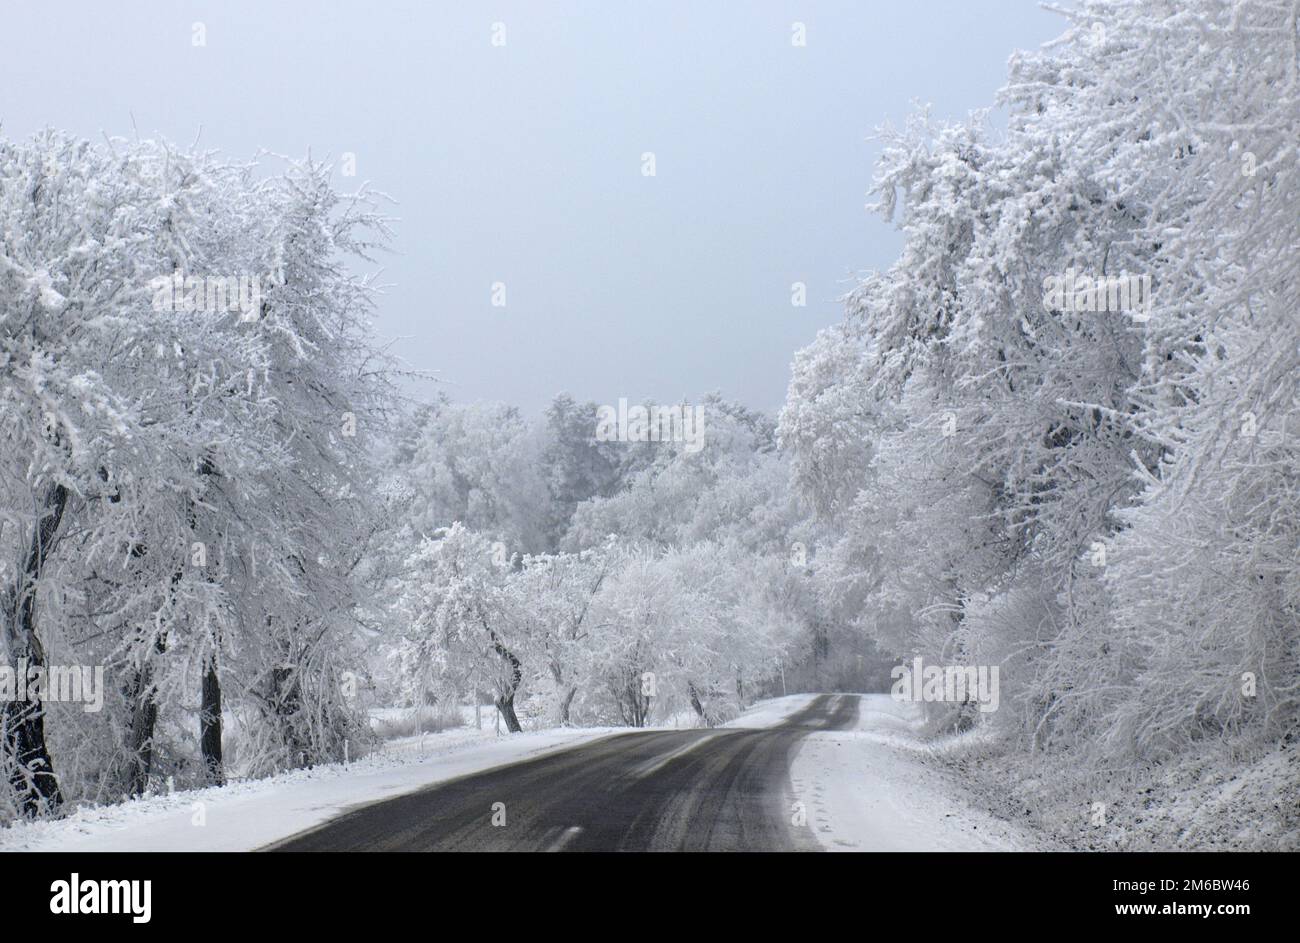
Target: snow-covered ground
1213, 799
771, 712
870, 789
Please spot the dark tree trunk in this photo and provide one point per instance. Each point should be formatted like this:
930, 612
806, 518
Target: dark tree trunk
32, 773
210, 726
566, 704
144, 718
506, 705
695, 703
286, 703
637, 703
142, 696
32, 777
210, 704
505, 701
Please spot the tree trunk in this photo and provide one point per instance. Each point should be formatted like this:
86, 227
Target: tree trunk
638, 703
286, 706
32, 772
144, 718
566, 704
32, 777
210, 726
505, 701
695, 703
210, 705
506, 705
142, 697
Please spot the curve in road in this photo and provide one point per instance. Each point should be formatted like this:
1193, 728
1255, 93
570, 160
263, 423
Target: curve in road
726, 789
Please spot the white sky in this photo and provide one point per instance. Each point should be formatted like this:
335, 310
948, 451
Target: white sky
522, 163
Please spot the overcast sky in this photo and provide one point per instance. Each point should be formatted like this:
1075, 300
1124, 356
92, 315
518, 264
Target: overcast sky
522, 163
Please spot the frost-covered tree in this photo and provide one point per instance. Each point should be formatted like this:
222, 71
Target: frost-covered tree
476, 463
89, 462
1093, 487
185, 374
465, 628
557, 593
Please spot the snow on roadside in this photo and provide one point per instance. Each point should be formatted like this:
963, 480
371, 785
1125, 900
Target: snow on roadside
1212, 799
871, 789
246, 815
771, 712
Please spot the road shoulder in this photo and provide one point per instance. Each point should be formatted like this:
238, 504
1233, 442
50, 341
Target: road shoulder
870, 789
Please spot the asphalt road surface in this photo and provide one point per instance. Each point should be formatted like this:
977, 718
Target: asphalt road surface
726, 789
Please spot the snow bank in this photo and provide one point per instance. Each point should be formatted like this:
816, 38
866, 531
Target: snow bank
872, 789
773, 711
1209, 800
